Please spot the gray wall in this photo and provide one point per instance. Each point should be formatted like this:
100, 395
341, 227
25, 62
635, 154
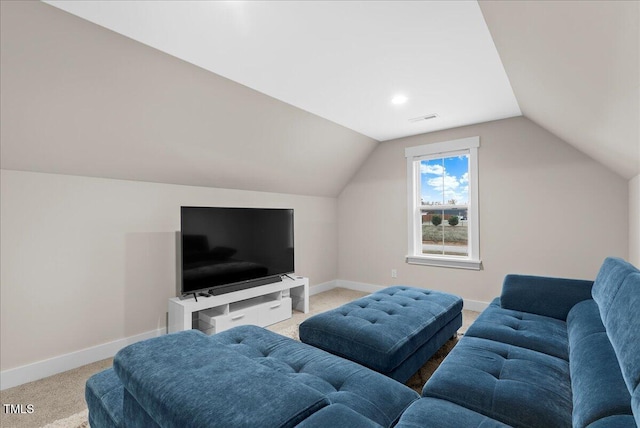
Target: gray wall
86, 261
545, 208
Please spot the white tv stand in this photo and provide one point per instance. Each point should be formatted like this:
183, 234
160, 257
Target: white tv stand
263, 305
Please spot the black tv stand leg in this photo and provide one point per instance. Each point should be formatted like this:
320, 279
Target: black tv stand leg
288, 276
195, 296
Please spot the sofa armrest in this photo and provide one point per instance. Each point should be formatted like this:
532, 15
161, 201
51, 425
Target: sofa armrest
551, 297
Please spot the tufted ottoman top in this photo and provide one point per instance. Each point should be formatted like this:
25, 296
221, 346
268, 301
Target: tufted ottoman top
383, 329
249, 377
341, 382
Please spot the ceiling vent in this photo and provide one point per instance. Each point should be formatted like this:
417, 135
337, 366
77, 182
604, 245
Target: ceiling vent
426, 117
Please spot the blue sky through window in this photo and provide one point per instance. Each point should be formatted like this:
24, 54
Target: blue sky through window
444, 180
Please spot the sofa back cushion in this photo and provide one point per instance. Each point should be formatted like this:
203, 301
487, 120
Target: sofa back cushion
599, 390
189, 379
543, 295
617, 292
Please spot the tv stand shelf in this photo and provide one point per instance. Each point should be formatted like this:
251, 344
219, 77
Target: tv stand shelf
263, 305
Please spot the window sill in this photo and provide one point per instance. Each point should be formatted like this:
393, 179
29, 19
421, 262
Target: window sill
450, 262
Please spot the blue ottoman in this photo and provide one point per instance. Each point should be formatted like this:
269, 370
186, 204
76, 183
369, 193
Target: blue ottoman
393, 331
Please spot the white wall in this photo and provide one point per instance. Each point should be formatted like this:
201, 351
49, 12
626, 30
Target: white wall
86, 261
634, 220
545, 208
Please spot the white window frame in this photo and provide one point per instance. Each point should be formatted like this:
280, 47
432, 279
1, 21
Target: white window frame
416, 154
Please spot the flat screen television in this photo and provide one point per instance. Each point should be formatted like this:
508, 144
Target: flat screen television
230, 249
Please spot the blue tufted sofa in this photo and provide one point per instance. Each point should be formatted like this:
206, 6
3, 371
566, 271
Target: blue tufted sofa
548, 353
243, 377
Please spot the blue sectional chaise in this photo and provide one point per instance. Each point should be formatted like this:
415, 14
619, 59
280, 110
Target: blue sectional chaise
549, 352
243, 377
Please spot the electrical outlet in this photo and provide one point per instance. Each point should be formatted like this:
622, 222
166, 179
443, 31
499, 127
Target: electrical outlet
394, 273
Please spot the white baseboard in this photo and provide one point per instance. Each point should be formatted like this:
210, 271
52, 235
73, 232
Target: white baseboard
321, 288
340, 283
360, 286
471, 305
41, 369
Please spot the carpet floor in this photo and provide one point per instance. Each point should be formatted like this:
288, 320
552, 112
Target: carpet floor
58, 401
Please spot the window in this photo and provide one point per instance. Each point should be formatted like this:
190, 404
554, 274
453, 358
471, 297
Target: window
442, 183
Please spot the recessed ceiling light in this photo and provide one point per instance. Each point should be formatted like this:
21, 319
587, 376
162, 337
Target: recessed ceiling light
399, 99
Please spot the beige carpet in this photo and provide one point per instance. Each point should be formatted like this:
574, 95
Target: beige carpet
59, 400
53, 398
79, 420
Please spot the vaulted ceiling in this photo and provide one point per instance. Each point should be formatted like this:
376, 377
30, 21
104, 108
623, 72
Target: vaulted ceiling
575, 70
343, 61
81, 100
291, 97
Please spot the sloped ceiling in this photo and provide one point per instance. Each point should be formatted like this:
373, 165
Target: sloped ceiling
81, 100
575, 70
341, 60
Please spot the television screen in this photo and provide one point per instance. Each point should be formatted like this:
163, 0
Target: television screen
228, 249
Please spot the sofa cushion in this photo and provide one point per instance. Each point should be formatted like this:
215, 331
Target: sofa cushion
617, 421
432, 412
612, 274
617, 292
383, 329
188, 379
103, 393
340, 381
535, 332
134, 414
532, 294
337, 415
599, 390
514, 385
